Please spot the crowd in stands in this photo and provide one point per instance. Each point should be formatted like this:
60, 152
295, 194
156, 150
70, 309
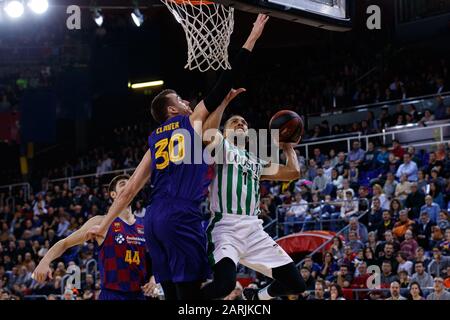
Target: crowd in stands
371, 125
393, 202
393, 206
125, 146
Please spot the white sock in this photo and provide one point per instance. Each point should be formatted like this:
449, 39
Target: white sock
263, 294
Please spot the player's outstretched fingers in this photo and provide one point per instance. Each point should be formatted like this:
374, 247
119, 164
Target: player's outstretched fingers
234, 93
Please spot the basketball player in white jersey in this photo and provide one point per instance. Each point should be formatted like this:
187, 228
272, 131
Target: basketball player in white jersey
235, 233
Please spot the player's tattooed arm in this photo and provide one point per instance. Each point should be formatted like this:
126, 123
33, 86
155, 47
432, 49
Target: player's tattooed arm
137, 181
42, 271
288, 172
210, 130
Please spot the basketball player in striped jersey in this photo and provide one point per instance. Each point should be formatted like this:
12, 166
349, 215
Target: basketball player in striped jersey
235, 234
122, 255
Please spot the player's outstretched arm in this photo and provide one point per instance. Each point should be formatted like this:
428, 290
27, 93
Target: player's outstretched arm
80, 236
288, 172
134, 185
212, 123
228, 77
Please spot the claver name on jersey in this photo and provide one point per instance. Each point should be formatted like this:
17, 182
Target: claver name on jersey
168, 127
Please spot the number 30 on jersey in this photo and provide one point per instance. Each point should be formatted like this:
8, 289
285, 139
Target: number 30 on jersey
166, 150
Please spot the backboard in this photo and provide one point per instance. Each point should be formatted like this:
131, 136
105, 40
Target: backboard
326, 14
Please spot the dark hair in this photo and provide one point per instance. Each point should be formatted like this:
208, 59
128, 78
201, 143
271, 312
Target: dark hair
391, 209
339, 290
437, 189
402, 255
321, 282
387, 262
305, 268
340, 242
159, 104
371, 251
115, 181
345, 265
328, 253
420, 289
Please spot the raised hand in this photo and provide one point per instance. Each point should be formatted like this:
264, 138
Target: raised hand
233, 94
258, 28
42, 272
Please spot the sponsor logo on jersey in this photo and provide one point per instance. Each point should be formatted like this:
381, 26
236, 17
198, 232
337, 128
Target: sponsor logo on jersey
140, 229
119, 238
135, 240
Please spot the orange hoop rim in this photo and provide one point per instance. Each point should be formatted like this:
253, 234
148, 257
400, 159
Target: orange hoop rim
193, 2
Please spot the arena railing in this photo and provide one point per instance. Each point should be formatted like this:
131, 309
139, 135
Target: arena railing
437, 133
323, 245
433, 134
316, 219
70, 180
11, 188
348, 113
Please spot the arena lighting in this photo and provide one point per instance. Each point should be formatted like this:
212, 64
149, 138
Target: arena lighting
138, 17
14, 9
38, 6
146, 84
98, 17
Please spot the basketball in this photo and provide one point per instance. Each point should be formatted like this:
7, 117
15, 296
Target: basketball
290, 125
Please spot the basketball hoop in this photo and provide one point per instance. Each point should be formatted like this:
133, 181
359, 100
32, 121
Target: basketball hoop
208, 27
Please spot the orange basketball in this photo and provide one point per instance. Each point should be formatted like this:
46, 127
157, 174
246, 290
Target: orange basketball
290, 125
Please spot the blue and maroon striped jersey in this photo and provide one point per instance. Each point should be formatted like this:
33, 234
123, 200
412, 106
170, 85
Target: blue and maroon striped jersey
178, 168
122, 257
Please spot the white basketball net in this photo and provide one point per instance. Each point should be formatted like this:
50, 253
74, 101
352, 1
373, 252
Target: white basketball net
208, 28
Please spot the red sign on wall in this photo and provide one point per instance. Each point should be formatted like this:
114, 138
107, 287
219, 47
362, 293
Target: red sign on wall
9, 126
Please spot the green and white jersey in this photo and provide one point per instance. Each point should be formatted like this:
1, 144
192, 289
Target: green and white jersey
235, 187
